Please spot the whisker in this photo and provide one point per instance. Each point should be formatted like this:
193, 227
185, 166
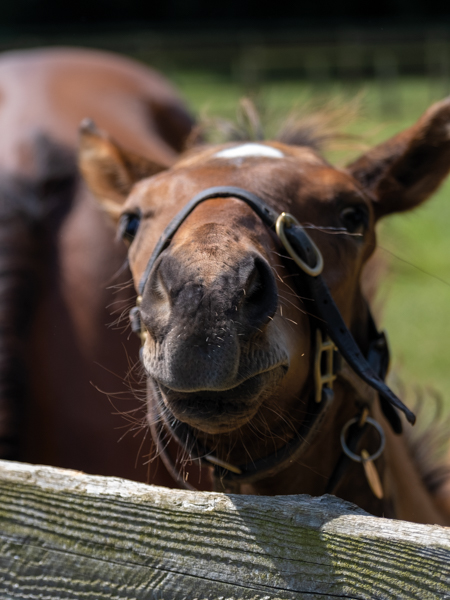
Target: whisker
414, 266
330, 230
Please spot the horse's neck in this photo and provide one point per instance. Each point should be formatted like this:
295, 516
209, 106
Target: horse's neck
406, 496
403, 484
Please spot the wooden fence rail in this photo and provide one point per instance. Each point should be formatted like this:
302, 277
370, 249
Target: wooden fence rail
64, 534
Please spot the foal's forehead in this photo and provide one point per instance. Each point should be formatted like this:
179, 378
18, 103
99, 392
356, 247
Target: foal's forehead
238, 153
271, 169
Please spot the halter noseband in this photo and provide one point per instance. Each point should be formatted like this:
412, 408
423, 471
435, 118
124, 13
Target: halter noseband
332, 337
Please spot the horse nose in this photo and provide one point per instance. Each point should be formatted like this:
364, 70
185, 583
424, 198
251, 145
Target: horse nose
259, 300
243, 291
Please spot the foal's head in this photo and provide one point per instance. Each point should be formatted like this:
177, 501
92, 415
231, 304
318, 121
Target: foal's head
229, 339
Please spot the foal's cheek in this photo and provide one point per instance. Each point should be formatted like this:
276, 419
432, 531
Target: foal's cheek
296, 338
139, 253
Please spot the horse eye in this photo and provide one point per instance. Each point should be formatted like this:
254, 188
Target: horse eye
128, 226
355, 219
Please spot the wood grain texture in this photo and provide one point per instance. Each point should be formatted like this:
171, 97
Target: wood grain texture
67, 535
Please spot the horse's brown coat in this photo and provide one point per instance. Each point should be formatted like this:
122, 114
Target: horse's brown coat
59, 258
219, 354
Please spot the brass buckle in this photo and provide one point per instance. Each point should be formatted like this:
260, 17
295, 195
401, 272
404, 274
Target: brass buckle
287, 219
325, 379
142, 332
366, 459
356, 457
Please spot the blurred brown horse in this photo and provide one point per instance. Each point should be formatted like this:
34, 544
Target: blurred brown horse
240, 372
60, 265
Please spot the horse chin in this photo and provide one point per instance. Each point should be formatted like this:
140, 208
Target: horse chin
224, 411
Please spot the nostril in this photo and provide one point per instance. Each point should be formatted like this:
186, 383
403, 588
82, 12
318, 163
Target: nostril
156, 304
254, 287
158, 288
260, 293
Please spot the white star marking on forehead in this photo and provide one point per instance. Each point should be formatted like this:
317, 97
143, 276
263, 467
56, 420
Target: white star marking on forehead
249, 150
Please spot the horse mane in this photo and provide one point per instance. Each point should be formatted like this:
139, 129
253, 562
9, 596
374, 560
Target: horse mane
30, 210
428, 443
317, 127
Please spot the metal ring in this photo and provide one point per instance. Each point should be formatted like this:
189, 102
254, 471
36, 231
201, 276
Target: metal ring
351, 454
286, 218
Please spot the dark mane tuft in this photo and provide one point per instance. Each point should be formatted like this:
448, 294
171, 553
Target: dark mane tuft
429, 443
318, 128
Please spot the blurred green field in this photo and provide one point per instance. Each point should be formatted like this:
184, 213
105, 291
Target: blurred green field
415, 296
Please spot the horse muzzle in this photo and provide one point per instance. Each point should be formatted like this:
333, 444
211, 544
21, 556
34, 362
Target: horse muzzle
220, 411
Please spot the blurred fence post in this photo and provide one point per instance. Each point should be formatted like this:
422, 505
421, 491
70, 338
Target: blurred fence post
387, 74
350, 55
437, 62
317, 65
249, 68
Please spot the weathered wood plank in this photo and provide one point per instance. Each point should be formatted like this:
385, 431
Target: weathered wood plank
67, 535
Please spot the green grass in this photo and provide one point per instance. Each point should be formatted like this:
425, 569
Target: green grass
416, 293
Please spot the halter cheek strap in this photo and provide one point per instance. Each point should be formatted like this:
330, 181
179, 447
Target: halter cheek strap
265, 212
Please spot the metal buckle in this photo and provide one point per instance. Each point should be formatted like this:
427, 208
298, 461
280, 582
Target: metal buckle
287, 219
354, 456
366, 459
325, 379
136, 321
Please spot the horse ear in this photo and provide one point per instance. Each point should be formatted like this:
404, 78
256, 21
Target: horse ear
109, 170
404, 171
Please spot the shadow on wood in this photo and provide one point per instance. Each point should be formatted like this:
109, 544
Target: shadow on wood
64, 534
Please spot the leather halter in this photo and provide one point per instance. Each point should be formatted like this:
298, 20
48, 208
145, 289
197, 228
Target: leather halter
326, 319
